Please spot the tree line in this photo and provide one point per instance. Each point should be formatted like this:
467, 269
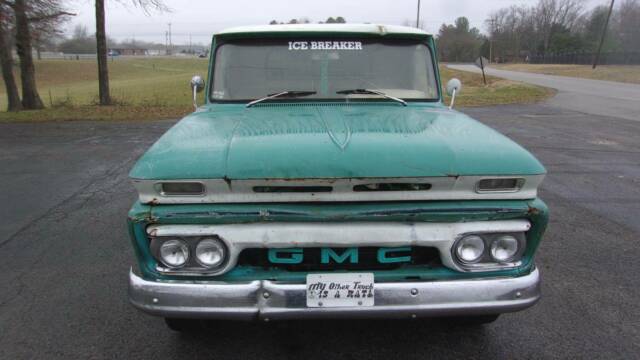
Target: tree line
517, 33
306, 20
25, 23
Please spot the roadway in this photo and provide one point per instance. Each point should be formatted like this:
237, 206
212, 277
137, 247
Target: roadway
597, 97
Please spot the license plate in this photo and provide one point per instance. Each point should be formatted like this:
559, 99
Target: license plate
340, 290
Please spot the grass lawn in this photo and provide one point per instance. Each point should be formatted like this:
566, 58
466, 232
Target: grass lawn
143, 88
619, 73
496, 92
157, 88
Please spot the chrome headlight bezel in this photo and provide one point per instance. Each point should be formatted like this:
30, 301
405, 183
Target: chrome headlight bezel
210, 243
507, 241
177, 245
473, 241
193, 265
487, 262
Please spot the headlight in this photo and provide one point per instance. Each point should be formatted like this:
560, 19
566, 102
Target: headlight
504, 248
210, 253
174, 253
470, 248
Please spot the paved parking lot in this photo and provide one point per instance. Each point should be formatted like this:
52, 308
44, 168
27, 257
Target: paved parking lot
65, 255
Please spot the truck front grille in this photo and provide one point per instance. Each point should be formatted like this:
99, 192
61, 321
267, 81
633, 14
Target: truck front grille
367, 259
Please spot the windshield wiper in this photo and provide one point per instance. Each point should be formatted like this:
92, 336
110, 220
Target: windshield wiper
371, 92
280, 94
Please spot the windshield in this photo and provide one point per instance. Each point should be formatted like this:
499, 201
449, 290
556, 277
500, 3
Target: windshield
249, 70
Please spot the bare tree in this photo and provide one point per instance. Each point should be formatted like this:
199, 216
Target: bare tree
6, 60
512, 31
627, 23
562, 27
28, 14
101, 43
30, 97
552, 13
45, 19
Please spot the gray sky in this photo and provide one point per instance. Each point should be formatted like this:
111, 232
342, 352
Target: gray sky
201, 18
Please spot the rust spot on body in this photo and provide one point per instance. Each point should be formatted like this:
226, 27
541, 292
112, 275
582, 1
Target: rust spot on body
533, 211
227, 181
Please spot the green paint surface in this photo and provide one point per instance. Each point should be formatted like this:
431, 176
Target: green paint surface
389, 256
328, 255
332, 140
293, 256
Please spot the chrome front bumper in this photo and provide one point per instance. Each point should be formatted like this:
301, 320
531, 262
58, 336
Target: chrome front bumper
268, 300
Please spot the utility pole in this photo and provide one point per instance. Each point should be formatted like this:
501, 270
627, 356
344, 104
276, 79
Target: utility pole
493, 24
596, 59
166, 42
170, 41
418, 16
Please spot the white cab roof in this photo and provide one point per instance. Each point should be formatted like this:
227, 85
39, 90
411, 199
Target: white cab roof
323, 28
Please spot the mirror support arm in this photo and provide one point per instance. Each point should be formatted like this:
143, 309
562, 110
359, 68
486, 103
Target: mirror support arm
195, 97
453, 87
197, 84
453, 99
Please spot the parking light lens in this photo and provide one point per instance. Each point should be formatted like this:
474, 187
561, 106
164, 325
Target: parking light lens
499, 185
174, 253
470, 248
181, 189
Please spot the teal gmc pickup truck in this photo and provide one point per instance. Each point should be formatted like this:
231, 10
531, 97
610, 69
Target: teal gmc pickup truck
325, 177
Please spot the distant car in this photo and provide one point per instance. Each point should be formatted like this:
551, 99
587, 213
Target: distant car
113, 53
202, 55
324, 177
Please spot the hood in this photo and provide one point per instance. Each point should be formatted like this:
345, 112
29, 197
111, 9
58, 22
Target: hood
331, 140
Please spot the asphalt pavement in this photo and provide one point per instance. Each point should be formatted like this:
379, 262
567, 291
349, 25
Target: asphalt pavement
65, 255
605, 98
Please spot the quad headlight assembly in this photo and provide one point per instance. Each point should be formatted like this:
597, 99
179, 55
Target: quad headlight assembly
189, 255
489, 251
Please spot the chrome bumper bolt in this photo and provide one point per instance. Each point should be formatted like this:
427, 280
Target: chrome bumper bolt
266, 295
414, 292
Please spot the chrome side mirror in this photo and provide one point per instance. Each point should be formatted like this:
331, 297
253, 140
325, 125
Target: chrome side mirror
453, 87
197, 84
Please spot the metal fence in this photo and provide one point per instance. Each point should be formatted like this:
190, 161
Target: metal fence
586, 58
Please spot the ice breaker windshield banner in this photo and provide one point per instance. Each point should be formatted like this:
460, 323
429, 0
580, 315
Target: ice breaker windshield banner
325, 45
